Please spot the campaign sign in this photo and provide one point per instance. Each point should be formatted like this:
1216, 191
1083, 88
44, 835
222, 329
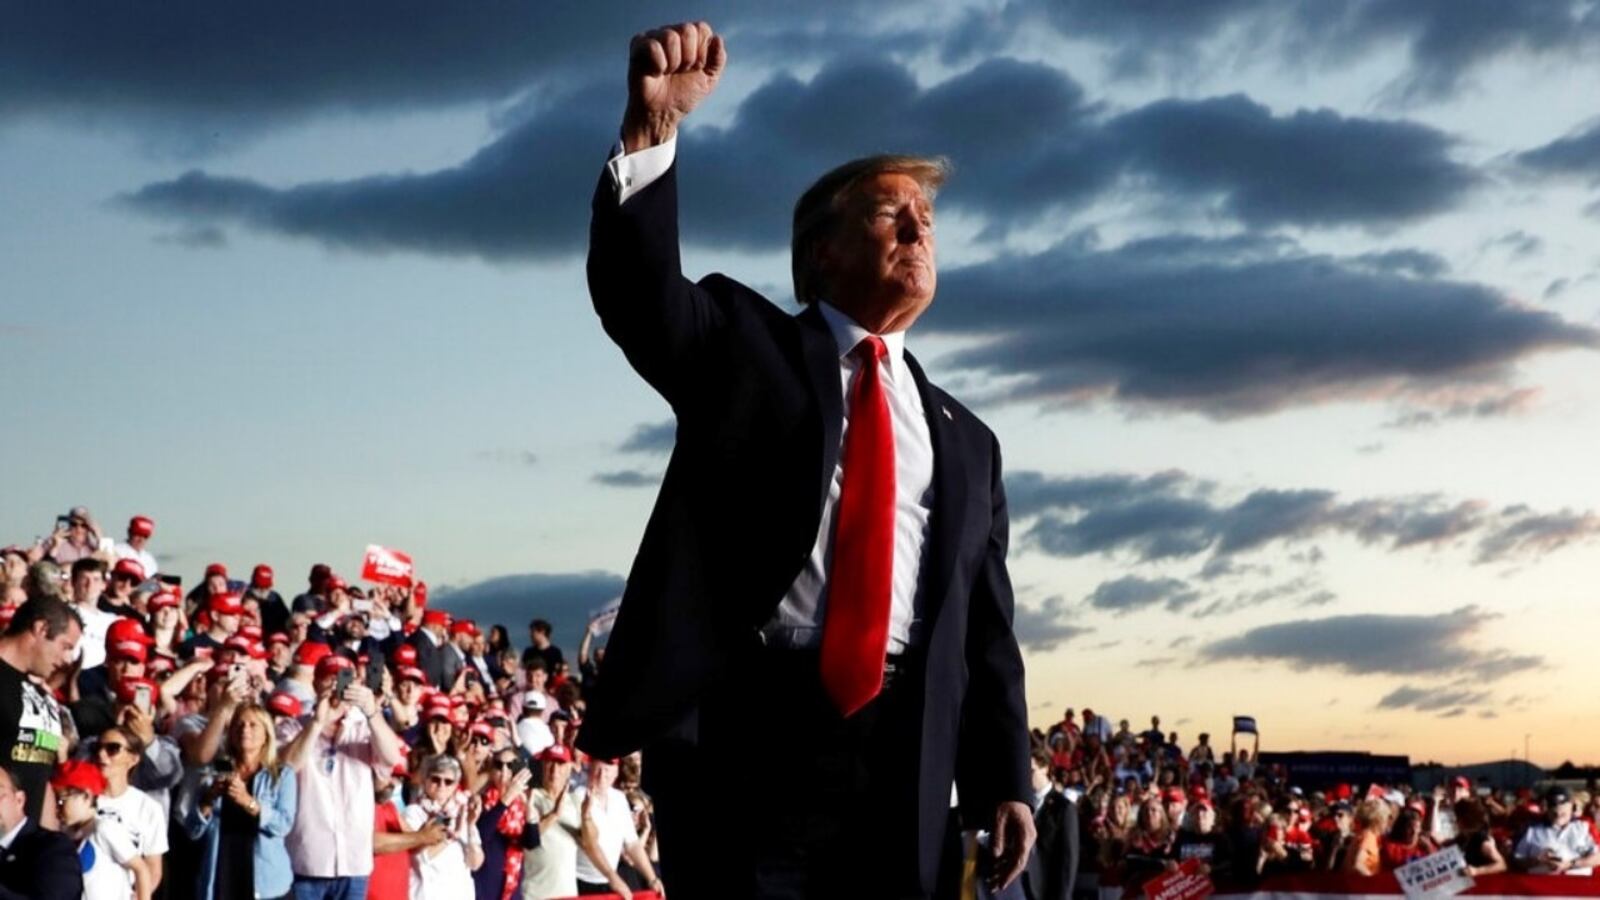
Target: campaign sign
1185, 884
601, 620
1441, 874
386, 566
1244, 725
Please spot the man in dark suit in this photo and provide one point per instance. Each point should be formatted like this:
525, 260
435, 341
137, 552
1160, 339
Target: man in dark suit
1052, 869
821, 608
35, 864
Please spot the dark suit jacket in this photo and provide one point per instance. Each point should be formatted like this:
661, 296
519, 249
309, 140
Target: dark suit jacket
1052, 868
759, 414
40, 865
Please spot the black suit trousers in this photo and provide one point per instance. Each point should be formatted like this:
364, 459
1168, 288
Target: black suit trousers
788, 798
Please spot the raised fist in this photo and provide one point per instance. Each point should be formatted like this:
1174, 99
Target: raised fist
670, 70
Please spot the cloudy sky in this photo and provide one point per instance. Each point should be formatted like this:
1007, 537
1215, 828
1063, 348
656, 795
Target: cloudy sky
1286, 314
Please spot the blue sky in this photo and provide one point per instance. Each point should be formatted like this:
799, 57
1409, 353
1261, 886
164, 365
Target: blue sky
1285, 313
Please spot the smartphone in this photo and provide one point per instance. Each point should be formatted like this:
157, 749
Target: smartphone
141, 699
341, 682
1484, 792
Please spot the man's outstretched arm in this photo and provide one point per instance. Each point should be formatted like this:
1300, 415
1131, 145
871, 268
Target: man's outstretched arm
648, 308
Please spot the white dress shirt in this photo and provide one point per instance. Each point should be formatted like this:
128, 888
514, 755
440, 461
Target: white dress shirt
799, 617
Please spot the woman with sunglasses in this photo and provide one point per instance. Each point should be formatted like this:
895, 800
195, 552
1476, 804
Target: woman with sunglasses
117, 752
444, 871
245, 809
503, 827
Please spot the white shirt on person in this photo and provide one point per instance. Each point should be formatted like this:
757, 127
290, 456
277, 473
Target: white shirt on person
105, 856
144, 558
140, 815
534, 735
799, 617
443, 875
550, 869
1571, 841
614, 824
96, 622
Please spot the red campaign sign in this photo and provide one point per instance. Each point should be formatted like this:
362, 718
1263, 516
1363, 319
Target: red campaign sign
1185, 884
386, 566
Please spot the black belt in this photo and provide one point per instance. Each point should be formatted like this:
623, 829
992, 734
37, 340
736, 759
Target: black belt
896, 666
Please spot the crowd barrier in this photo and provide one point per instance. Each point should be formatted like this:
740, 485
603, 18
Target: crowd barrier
1339, 886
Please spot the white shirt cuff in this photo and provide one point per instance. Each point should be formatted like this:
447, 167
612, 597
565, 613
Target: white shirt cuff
633, 172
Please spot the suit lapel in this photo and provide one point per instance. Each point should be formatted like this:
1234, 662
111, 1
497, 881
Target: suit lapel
821, 354
949, 496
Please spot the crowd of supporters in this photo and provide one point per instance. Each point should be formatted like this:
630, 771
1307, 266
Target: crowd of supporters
1146, 804
344, 742
347, 742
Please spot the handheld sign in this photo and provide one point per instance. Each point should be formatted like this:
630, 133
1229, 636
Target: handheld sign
385, 566
1244, 725
601, 620
1185, 884
1441, 874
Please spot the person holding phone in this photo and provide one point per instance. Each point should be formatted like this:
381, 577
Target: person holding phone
334, 757
504, 830
246, 807
444, 871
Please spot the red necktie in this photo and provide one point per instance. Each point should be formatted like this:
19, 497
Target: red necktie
855, 629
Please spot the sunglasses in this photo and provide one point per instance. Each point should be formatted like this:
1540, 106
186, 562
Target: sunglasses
502, 763
482, 741
110, 748
442, 782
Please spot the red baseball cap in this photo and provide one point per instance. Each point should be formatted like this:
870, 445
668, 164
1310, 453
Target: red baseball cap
335, 583
226, 605
404, 655
216, 569
126, 629
412, 673
127, 688
253, 632
437, 713
1174, 795
284, 704
165, 598
128, 568
158, 664
277, 637
141, 526
79, 775
481, 729
261, 576
126, 650
331, 664
311, 652
241, 644
463, 626
419, 594
436, 617
560, 753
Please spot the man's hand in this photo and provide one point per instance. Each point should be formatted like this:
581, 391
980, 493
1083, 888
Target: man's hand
670, 70
1010, 844
361, 697
136, 721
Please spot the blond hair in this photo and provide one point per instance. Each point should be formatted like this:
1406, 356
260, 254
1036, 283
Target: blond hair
269, 748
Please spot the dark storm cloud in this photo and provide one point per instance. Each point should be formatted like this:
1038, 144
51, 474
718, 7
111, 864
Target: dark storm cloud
627, 478
656, 438
1576, 155
1132, 593
213, 70
1170, 516
1025, 142
1269, 170
564, 599
1444, 41
1045, 627
1229, 328
1437, 645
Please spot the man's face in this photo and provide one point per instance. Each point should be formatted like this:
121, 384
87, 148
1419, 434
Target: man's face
78, 531
87, 586
879, 261
57, 651
216, 584
228, 624
125, 667
537, 679
13, 802
1560, 813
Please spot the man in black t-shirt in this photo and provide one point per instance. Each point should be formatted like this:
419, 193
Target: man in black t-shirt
41, 639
